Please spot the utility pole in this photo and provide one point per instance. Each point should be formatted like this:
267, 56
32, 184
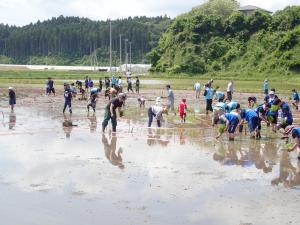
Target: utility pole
110, 55
130, 54
121, 52
126, 54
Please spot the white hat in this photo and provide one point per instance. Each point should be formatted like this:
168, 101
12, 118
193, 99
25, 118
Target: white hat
158, 99
271, 93
10, 88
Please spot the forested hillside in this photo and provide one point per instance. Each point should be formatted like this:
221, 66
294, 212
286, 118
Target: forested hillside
217, 37
71, 40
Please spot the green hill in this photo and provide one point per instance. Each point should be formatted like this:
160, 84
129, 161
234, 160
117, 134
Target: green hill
217, 37
71, 40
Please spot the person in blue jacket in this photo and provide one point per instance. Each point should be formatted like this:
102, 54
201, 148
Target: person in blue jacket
254, 123
295, 99
233, 106
231, 121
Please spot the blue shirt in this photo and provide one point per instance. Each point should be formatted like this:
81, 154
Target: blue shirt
295, 96
266, 85
68, 95
286, 112
298, 131
220, 95
250, 114
209, 93
260, 109
221, 105
231, 106
231, 117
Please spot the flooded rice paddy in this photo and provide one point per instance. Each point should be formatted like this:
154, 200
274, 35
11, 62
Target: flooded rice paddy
52, 174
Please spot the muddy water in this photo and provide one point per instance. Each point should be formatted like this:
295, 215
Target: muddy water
51, 174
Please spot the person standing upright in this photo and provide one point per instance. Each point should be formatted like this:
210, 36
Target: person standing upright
266, 87
229, 90
197, 88
171, 99
12, 98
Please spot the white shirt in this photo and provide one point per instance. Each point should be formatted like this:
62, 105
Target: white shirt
157, 110
197, 86
120, 82
230, 87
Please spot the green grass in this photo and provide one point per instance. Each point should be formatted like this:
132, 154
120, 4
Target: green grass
243, 82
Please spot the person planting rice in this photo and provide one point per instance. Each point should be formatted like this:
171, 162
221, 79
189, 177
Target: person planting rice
93, 99
219, 95
286, 116
254, 123
68, 98
86, 84
272, 114
141, 101
271, 97
296, 137
233, 106
208, 93
229, 123
295, 99
252, 102
157, 113
110, 111
11, 98
261, 111
171, 99
197, 88
218, 110
182, 110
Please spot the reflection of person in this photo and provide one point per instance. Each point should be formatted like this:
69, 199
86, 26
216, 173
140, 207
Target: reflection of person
67, 126
155, 138
93, 124
110, 151
12, 121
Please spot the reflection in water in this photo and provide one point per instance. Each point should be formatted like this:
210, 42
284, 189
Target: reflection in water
246, 154
182, 137
110, 151
12, 121
154, 138
67, 125
289, 175
93, 123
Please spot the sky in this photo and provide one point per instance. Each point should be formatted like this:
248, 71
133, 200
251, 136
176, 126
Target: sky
22, 12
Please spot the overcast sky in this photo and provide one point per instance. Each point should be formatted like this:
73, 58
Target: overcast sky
22, 12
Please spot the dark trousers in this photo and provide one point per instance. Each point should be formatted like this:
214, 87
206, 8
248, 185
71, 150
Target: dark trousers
69, 104
93, 105
107, 117
150, 118
229, 96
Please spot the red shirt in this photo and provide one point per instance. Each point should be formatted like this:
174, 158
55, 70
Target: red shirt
182, 107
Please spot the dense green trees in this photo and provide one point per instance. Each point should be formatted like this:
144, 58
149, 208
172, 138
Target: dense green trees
216, 36
70, 40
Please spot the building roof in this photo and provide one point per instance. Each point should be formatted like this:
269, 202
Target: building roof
252, 8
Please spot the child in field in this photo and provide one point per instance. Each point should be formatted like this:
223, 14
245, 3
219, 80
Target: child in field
266, 87
68, 98
254, 123
218, 110
12, 98
50, 86
296, 137
219, 95
137, 85
231, 106
182, 110
295, 99
252, 102
208, 93
141, 101
93, 99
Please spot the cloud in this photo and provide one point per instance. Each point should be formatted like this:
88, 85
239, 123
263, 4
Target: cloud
21, 12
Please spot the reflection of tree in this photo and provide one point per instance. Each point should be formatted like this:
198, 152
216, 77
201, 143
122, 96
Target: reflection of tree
289, 175
154, 138
93, 123
12, 120
110, 151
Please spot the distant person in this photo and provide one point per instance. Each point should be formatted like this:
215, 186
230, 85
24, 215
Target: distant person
100, 84
128, 74
50, 86
93, 99
91, 84
107, 82
295, 99
171, 99
219, 95
230, 90
12, 98
141, 101
157, 113
68, 98
129, 85
197, 88
110, 111
137, 85
86, 83
182, 108
120, 85
266, 87
114, 81
208, 93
